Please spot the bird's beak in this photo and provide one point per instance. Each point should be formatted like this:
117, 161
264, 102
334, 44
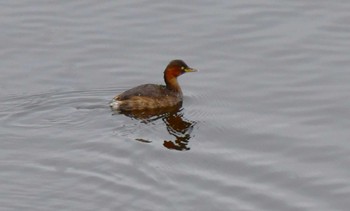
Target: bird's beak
189, 69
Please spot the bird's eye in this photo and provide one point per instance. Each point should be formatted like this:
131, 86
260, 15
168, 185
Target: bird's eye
182, 68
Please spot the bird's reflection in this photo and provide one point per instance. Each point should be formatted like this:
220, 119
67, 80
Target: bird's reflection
177, 125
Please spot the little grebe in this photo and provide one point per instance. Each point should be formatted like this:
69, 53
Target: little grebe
152, 96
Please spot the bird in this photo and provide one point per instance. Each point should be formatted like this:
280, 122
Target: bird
154, 96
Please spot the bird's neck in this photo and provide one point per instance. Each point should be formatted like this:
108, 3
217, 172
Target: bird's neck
171, 83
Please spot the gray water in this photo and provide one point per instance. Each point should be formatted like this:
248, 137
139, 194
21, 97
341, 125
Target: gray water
264, 124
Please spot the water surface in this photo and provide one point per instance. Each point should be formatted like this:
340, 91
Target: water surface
264, 124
